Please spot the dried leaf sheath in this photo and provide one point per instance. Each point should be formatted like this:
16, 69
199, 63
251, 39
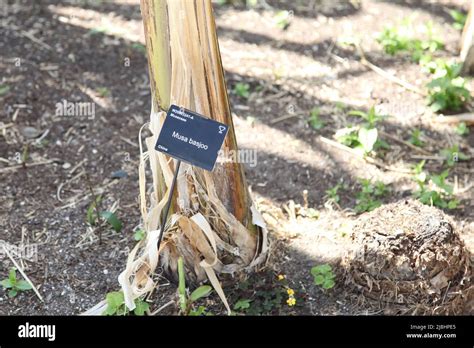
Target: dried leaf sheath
213, 224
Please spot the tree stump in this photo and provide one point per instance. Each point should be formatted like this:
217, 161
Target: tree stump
408, 259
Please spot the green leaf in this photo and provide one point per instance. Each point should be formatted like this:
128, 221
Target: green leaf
23, 285
141, 308
242, 89
380, 189
103, 91
314, 120
12, 293
321, 269
12, 276
110, 311
139, 234
114, 300
319, 279
6, 283
198, 312
453, 204
4, 89
200, 292
91, 211
437, 106
282, 19
439, 180
112, 220
415, 138
242, 304
418, 168
139, 47
368, 137
328, 283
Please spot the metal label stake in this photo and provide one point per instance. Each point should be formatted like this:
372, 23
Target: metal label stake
168, 203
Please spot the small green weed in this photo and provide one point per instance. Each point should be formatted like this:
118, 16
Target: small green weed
415, 138
242, 304
103, 91
400, 38
186, 303
282, 19
4, 89
94, 214
13, 285
323, 276
139, 234
367, 198
462, 129
116, 305
139, 47
447, 91
242, 90
264, 294
314, 120
442, 193
459, 19
332, 193
363, 140
371, 117
452, 155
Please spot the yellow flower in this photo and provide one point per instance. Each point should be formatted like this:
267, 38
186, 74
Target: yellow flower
291, 301
281, 277
290, 292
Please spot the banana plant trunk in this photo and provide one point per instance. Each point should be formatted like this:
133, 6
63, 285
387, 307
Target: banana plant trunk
467, 43
213, 224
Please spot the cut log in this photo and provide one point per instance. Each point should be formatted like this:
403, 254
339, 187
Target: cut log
408, 258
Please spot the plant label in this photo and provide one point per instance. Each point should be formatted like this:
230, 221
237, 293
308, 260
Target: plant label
191, 137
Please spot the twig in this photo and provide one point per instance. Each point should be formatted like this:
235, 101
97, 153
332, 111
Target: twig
31, 37
23, 273
58, 191
467, 118
6, 169
431, 157
337, 58
464, 189
4, 126
282, 118
45, 133
365, 158
162, 307
73, 202
128, 141
388, 76
274, 96
446, 293
15, 114
401, 141
77, 166
96, 202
